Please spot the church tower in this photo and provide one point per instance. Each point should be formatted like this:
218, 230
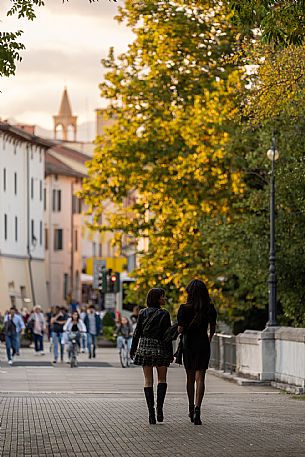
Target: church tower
64, 118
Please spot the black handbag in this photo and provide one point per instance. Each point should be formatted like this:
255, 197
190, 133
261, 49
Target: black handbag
171, 334
30, 326
179, 351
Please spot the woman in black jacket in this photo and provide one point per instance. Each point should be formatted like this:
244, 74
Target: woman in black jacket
194, 318
149, 350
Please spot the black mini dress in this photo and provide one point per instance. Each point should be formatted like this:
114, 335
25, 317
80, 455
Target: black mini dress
196, 344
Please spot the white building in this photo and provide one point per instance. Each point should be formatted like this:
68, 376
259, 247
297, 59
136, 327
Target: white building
65, 169
22, 272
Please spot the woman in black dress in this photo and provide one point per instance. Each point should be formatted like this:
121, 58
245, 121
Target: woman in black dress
194, 317
149, 350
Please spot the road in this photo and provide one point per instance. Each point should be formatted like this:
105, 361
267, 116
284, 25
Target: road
98, 409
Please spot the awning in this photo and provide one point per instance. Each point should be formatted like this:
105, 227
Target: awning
86, 279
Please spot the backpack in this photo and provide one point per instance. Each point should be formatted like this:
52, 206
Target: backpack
9, 328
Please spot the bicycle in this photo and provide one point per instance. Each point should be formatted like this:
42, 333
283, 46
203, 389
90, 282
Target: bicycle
124, 353
73, 348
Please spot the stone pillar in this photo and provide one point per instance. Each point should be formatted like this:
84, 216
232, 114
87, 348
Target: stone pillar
268, 353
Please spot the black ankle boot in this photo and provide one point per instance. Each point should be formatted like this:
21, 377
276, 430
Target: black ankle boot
197, 420
161, 392
191, 412
149, 395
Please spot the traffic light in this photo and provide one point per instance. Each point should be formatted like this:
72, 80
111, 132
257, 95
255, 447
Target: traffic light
115, 278
113, 281
101, 280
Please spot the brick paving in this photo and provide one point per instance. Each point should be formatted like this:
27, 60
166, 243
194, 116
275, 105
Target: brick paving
101, 412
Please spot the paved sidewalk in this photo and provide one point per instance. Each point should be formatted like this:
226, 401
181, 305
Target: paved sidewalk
100, 411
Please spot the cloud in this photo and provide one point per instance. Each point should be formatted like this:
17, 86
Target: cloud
104, 8
64, 46
76, 64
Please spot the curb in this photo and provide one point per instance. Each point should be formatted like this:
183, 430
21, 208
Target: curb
238, 379
289, 388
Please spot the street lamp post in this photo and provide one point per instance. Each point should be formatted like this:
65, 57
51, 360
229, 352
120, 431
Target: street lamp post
272, 155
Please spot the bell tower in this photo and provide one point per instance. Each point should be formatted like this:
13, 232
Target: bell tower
64, 118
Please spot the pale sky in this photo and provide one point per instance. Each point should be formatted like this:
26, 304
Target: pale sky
64, 47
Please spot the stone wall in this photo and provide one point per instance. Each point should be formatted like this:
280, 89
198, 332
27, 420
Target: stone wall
276, 354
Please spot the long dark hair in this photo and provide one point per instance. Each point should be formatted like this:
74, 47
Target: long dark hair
198, 297
153, 297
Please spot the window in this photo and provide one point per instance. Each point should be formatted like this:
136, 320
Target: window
32, 188
75, 240
23, 292
66, 278
33, 232
76, 205
40, 190
5, 226
46, 239
59, 200
40, 233
56, 204
15, 183
4, 179
58, 240
100, 249
94, 249
54, 200
45, 199
16, 228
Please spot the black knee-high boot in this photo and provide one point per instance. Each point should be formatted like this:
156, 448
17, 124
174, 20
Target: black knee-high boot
197, 420
161, 392
149, 395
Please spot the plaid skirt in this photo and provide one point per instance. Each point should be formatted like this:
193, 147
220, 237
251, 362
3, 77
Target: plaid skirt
152, 353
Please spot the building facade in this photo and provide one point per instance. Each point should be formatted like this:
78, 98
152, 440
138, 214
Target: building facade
22, 273
65, 170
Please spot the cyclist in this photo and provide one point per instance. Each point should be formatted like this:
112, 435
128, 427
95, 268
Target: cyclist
124, 331
74, 324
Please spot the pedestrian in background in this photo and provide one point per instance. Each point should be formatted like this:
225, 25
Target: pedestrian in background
194, 318
38, 325
149, 350
20, 327
93, 325
10, 333
124, 330
25, 315
58, 320
83, 338
49, 315
134, 316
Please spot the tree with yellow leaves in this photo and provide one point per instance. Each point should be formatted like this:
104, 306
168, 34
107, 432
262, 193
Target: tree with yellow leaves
173, 99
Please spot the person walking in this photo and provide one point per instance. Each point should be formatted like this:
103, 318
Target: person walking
93, 325
10, 332
134, 316
194, 318
57, 321
148, 350
19, 323
83, 338
39, 327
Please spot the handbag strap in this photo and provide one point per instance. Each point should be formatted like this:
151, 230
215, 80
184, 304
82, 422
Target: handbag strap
149, 319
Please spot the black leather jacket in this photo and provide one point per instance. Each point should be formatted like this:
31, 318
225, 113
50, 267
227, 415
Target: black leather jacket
152, 323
